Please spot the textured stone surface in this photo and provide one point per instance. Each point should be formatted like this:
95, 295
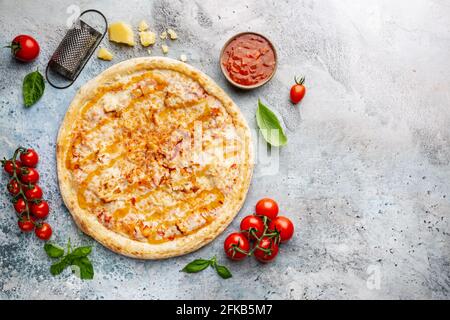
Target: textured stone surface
365, 175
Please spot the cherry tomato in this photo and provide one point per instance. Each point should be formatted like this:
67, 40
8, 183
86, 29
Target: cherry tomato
24, 48
25, 224
298, 90
267, 207
39, 209
13, 187
43, 231
284, 226
267, 250
9, 167
20, 205
29, 175
33, 192
251, 226
29, 158
234, 244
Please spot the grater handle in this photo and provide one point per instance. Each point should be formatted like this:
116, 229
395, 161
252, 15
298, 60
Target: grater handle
88, 58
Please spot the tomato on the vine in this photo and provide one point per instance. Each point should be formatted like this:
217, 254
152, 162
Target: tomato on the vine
20, 205
29, 175
8, 166
25, 224
33, 192
284, 226
267, 207
252, 226
24, 48
236, 246
29, 158
39, 209
266, 250
13, 187
43, 231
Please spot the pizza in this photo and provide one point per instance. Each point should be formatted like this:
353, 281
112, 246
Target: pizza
154, 159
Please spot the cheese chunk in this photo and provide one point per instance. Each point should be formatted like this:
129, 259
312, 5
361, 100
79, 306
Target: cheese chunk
172, 34
183, 58
143, 26
121, 32
163, 35
104, 54
147, 38
165, 49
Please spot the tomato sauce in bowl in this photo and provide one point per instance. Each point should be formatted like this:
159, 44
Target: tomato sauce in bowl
248, 60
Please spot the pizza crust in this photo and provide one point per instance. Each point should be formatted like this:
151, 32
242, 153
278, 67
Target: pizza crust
88, 222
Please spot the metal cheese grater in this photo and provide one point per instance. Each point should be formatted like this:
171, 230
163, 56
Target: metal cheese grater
74, 51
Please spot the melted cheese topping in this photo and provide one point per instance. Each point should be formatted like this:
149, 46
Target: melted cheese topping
153, 156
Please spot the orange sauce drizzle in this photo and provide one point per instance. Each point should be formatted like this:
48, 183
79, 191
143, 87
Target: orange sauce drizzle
190, 206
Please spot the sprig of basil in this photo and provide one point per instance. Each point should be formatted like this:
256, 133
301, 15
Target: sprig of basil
201, 264
76, 259
32, 88
269, 126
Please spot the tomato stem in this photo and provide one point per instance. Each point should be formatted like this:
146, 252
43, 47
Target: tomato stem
299, 80
15, 47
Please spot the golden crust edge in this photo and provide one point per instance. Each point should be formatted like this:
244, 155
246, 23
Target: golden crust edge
114, 241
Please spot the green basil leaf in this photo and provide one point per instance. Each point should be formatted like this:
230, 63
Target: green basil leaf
270, 126
80, 252
32, 88
59, 267
53, 250
85, 268
196, 266
223, 272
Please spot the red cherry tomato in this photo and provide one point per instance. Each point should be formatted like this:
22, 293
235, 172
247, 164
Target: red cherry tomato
25, 224
33, 192
40, 209
13, 187
267, 250
284, 226
9, 167
29, 175
298, 90
29, 158
43, 231
24, 48
251, 226
234, 244
267, 207
20, 205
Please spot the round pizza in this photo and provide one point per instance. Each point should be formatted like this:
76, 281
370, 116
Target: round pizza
154, 159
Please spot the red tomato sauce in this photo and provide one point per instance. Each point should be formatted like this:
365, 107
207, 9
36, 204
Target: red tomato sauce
249, 59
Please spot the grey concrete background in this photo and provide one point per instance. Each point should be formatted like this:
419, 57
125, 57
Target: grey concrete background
365, 175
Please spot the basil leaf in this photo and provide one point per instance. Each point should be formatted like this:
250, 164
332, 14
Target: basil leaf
59, 267
270, 126
32, 88
223, 272
196, 266
80, 252
83, 268
53, 251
